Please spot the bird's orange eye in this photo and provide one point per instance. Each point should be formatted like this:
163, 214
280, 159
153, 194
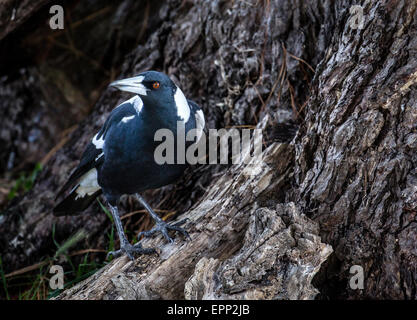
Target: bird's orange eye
155, 85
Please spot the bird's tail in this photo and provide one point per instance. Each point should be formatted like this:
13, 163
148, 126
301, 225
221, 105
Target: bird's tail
75, 203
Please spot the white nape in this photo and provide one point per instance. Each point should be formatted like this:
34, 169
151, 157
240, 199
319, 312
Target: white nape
183, 109
200, 123
88, 184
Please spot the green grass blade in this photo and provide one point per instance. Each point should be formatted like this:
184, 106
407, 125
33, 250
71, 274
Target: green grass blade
3, 277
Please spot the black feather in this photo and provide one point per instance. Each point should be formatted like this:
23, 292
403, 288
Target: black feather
88, 161
72, 205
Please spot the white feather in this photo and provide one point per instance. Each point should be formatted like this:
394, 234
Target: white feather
99, 156
99, 143
183, 109
137, 103
88, 184
200, 123
127, 119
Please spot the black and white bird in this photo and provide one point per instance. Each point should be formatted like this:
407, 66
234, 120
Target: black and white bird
120, 158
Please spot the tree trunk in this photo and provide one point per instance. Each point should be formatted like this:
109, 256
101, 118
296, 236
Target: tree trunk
347, 181
356, 163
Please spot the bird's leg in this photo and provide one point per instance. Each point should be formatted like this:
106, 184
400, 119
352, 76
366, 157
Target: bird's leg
125, 246
161, 225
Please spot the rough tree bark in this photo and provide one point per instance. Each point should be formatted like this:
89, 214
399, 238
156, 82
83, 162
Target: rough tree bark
218, 45
348, 180
356, 160
240, 247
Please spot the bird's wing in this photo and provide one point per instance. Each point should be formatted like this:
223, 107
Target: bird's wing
93, 155
90, 159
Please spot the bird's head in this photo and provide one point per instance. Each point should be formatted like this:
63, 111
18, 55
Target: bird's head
152, 86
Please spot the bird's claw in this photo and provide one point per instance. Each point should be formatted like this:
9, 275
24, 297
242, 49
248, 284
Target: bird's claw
130, 251
181, 222
164, 227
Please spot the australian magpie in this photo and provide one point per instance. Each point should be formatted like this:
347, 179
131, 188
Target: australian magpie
120, 157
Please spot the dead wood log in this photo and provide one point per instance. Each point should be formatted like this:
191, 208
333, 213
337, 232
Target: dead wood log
240, 249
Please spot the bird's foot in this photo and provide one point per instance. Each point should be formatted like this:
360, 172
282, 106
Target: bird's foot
164, 227
130, 250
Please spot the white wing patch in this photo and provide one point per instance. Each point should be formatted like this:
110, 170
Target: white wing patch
137, 103
88, 184
183, 109
127, 119
99, 156
200, 123
99, 143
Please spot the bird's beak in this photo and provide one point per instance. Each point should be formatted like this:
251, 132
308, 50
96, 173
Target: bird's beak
134, 85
